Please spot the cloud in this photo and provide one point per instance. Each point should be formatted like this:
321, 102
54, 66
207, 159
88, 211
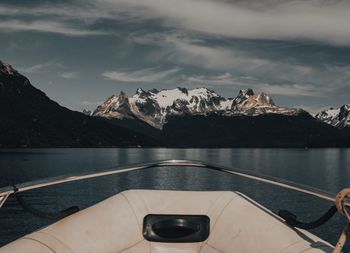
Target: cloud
69, 75
148, 75
294, 89
55, 67
69, 19
319, 20
241, 68
242, 82
184, 50
46, 26
323, 21
214, 58
88, 12
39, 68
212, 80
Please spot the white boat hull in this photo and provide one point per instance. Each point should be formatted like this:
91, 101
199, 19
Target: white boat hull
237, 224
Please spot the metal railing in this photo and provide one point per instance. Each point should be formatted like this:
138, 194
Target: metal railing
9, 190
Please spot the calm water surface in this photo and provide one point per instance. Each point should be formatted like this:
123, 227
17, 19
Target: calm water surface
327, 169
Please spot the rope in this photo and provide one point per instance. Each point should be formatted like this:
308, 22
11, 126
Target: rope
291, 219
46, 215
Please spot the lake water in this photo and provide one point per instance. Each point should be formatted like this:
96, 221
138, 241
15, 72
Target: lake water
327, 169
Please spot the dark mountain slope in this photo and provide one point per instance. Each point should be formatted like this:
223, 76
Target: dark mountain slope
30, 119
139, 126
267, 130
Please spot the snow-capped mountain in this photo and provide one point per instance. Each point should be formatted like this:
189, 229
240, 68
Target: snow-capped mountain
115, 107
338, 117
249, 103
155, 107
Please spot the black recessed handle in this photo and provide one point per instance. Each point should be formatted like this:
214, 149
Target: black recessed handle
176, 228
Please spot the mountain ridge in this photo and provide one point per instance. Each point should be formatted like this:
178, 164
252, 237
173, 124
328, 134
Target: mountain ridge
156, 107
181, 118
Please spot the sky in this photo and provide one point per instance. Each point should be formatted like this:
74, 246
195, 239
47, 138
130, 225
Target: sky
79, 52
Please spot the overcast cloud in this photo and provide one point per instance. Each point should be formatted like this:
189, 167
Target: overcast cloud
80, 52
142, 76
324, 21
